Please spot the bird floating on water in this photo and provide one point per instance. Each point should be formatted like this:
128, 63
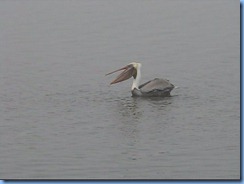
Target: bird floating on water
153, 88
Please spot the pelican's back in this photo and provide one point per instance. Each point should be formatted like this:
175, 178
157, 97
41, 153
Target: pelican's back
156, 87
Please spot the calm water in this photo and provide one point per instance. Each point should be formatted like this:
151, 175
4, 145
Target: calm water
61, 119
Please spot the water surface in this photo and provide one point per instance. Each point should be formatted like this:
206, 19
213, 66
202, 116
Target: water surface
61, 119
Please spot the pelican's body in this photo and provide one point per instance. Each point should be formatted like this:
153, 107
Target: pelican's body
153, 88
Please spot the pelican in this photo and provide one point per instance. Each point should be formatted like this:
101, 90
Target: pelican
153, 88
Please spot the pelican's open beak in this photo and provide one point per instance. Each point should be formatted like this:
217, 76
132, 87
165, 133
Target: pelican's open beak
128, 72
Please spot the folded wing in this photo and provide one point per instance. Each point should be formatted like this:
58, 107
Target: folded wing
156, 85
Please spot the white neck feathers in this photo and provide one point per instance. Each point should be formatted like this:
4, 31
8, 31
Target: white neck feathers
136, 81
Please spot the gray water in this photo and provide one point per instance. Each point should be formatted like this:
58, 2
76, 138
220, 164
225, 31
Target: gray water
60, 118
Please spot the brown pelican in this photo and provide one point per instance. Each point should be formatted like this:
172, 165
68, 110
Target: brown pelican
156, 87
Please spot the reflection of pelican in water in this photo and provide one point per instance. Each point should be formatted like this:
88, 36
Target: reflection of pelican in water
156, 87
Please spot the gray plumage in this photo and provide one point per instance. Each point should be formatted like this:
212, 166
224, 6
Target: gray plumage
156, 87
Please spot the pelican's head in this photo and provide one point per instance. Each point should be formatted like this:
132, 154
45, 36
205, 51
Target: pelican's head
129, 71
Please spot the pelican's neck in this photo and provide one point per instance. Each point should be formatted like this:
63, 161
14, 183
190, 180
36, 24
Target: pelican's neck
136, 81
